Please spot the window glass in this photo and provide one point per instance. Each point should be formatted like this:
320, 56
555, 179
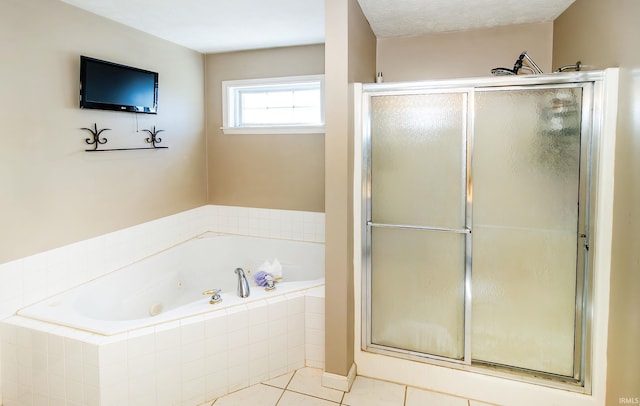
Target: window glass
276, 102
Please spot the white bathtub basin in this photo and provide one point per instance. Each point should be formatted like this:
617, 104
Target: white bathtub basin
169, 285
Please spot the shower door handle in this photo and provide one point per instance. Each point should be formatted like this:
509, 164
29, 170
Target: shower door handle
465, 230
586, 241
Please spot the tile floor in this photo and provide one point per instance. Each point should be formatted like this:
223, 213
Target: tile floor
303, 388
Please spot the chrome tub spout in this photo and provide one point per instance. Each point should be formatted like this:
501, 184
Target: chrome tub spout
243, 284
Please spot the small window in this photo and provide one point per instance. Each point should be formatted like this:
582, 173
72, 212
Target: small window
273, 106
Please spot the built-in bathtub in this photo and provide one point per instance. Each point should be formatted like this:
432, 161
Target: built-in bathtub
145, 334
169, 285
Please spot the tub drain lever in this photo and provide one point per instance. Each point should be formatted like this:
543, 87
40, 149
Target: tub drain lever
215, 295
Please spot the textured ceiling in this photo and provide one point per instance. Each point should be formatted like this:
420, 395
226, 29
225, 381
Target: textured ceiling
394, 18
220, 26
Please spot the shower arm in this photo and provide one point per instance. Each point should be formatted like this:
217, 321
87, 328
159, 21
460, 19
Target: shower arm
518, 65
534, 66
577, 67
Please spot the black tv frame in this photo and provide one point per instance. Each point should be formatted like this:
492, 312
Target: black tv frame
85, 104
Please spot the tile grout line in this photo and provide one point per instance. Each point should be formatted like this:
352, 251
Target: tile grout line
342, 398
316, 397
291, 379
286, 386
406, 389
280, 397
438, 392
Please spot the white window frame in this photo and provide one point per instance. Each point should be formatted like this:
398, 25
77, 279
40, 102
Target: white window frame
230, 105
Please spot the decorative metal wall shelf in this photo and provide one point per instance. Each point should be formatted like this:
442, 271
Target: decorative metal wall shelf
153, 137
96, 141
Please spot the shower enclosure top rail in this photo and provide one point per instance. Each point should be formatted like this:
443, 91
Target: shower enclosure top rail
483, 82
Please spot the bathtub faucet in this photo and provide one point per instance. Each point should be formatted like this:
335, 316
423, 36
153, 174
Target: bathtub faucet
215, 295
271, 282
243, 284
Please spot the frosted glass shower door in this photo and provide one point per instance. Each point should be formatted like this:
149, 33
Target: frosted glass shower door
526, 183
417, 231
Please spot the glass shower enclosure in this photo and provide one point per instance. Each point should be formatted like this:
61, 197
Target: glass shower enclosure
476, 207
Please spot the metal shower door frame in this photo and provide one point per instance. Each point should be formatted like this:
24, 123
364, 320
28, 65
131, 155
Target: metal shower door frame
591, 84
467, 215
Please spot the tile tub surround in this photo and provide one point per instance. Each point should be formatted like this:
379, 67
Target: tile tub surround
186, 362
31, 279
34, 278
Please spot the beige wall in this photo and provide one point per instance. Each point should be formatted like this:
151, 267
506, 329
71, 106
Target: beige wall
605, 34
276, 171
350, 57
52, 191
464, 53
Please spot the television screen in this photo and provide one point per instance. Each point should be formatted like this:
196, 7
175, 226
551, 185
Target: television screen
110, 86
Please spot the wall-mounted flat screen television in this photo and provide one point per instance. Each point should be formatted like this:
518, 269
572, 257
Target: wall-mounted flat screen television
111, 86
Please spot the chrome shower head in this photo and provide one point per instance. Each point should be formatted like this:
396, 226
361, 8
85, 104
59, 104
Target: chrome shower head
503, 72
